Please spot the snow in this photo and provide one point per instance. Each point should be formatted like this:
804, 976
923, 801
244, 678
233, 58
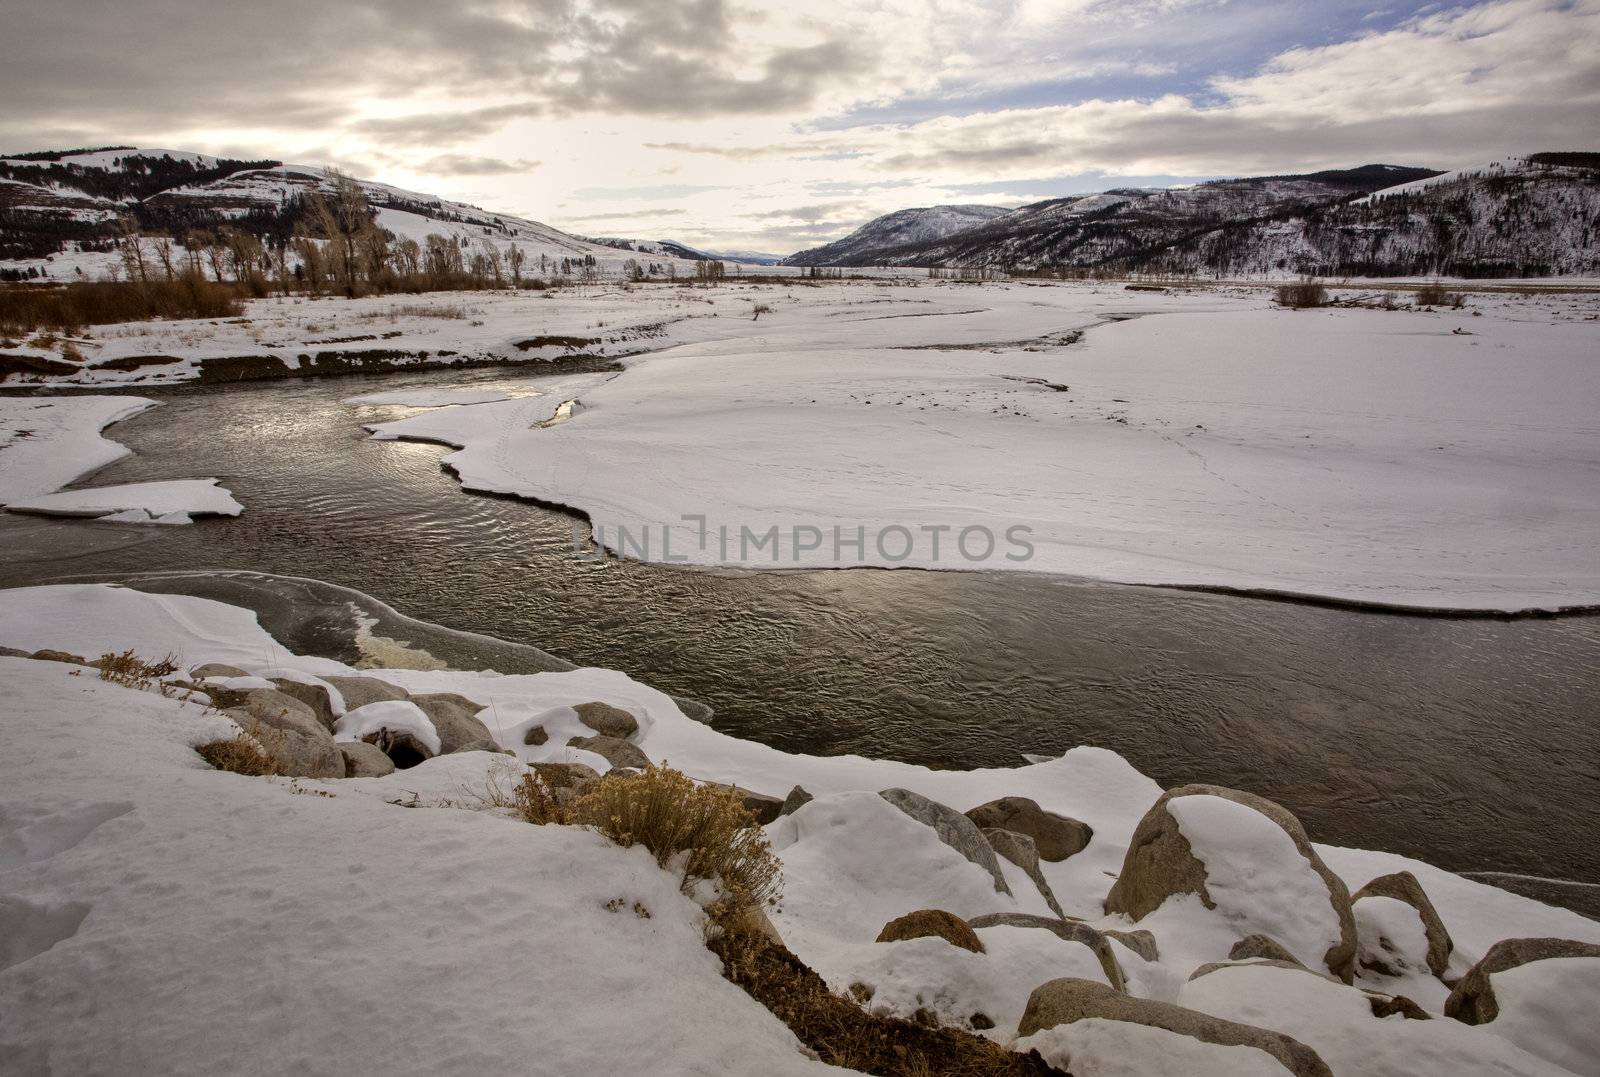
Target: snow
395, 715
1337, 1022
1369, 456
1547, 1009
133, 873
169, 502
47, 442
1097, 1047
1258, 880
162, 917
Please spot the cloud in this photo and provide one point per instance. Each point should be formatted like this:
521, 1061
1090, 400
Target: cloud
455, 164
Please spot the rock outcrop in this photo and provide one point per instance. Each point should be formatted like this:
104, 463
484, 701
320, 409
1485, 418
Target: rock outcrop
1055, 836
1472, 999
953, 828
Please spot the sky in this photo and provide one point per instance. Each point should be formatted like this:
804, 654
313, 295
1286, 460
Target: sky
769, 125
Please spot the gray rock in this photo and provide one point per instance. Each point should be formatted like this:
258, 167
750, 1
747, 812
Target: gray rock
1264, 947
1160, 863
1141, 942
1217, 966
1020, 850
567, 781
14, 652
1064, 1001
1055, 836
49, 654
617, 752
762, 807
1389, 1005
607, 720
953, 828
459, 730
1068, 930
359, 691
405, 750
312, 695
1472, 1000
797, 799
363, 760
216, 669
1403, 886
535, 735
302, 746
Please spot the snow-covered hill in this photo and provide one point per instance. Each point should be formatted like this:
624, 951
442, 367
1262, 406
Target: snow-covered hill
1533, 216
58, 211
894, 230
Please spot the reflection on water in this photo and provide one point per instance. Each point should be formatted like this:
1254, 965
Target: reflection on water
1471, 743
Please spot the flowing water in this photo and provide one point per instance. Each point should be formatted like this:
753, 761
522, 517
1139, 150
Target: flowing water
1472, 743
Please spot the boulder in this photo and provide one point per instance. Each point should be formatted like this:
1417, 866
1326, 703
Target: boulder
216, 670
1069, 930
1020, 850
1403, 886
48, 654
1064, 1001
1264, 947
935, 922
312, 695
953, 828
607, 720
617, 752
1389, 1005
762, 807
1217, 966
1141, 942
359, 691
302, 746
535, 735
458, 727
566, 781
363, 760
404, 749
797, 799
1055, 836
1472, 1000
1160, 863
14, 652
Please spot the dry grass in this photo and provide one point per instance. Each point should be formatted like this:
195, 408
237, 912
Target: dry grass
131, 671
69, 306
843, 1034
708, 829
448, 311
251, 752
1435, 295
1302, 294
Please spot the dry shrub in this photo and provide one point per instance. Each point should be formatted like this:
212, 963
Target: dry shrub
131, 671
709, 829
533, 802
1302, 294
1434, 295
68, 306
843, 1034
249, 752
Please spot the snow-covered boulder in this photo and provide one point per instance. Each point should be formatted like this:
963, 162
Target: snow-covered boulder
1474, 997
614, 750
1056, 836
1068, 931
317, 697
301, 744
1247, 858
1067, 1001
953, 828
1381, 927
399, 727
1342, 1024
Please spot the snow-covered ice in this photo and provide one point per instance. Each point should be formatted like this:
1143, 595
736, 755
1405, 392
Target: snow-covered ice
175, 501
48, 441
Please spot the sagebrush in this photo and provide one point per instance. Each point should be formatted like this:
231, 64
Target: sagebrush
1302, 294
708, 829
131, 671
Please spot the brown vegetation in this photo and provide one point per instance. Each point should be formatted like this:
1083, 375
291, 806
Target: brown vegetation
244, 753
68, 307
1302, 294
131, 671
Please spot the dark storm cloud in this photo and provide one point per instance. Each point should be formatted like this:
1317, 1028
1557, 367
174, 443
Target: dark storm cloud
171, 65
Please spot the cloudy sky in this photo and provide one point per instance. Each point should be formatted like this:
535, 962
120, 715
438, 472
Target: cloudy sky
774, 125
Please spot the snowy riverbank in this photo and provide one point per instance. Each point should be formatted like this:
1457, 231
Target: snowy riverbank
162, 916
